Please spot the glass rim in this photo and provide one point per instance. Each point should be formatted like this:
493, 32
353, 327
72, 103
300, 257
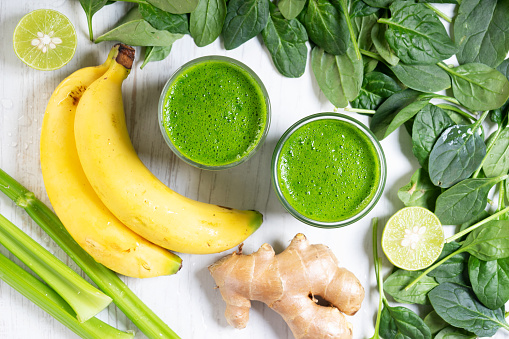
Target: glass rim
170, 81
379, 152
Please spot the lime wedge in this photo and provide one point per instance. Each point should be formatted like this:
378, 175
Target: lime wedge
45, 39
413, 238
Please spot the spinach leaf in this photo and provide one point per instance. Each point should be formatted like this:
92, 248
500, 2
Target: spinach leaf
395, 285
339, 76
498, 115
490, 281
458, 306
478, 87
376, 87
420, 191
454, 269
463, 201
439, 1
286, 42
481, 30
416, 34
327, 27
91, 7
161, 20
456, 114
451, 332
136, 31
396, 110
155, 53
424, 78
381, 45
360, 8
206, 21
434, 322
497, 161
489, 242
401, 323
244, 20
481, 216
175, 6
291, 8
362, 27
429, 124
379, 3
457, 153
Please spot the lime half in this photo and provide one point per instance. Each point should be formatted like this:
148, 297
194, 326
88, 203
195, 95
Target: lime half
413, 238
45, 39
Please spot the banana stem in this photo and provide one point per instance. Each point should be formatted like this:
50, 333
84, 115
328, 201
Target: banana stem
139, 313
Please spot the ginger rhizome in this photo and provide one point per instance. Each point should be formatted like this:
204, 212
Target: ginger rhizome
289, 284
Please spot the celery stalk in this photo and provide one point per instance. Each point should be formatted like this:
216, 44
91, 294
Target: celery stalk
47, 299
85, 299
142, 316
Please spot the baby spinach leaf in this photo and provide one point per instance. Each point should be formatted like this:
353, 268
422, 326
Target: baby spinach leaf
376, 87
478, 87
291, 8
362, 27
481, 30
420, 191
395, 285
206, 21
396, 110
91, 7
401, 323
424, 78
326, 26
464, 201
497, 161
498, 115
458, 306
451, 332
379, 3
175, 6
244, 20
155, 53
481, 216
159, 19
339, 76
434, 322
453, 269
360, 8
429, 123
416, 34
381, 45
456, 114
457, 153
490, 281
490, 241
286, 42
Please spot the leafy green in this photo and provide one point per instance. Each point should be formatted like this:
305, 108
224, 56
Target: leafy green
286, 42
481, 30
500, 114
206, 21
379, 3
497, 161
458, 306
339, 76
175, 6
451, 332
490, 281
453, 269
91, 7
382, 46
164, 21
420, 191
362, 27
428, 125
376, 87
327, 27
457, 153
395, 284
360, 8
244, 20
291, 8
401, 323
489, 242
424, 78
434, 322
416, 34
155, 53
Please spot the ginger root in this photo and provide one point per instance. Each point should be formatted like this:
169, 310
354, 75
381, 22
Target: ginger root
288, 283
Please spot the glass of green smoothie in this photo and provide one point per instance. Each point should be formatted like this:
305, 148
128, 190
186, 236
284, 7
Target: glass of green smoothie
328, 170
214, 112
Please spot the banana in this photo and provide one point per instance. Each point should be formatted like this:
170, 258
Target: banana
132, 192
85, 217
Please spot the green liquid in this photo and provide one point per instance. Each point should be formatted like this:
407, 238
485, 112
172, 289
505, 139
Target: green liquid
328, 170
215, 113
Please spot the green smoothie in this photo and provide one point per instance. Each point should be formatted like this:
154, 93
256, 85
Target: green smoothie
214, 113
328, 170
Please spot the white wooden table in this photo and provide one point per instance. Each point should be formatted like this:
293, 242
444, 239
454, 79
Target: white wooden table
187, 301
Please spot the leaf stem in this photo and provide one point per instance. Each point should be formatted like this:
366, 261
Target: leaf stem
480, 121
344, 6
90, 31
378, 272
372, 55
480, 223
457, 110
501, 195
360, 110
439, 13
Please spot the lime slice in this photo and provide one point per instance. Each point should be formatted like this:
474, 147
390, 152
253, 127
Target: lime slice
45, 39
413, 238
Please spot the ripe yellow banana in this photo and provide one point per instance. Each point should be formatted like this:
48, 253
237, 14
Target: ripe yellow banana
133, 193
86, 218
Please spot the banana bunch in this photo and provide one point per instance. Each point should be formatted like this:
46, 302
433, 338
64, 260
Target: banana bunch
109, 202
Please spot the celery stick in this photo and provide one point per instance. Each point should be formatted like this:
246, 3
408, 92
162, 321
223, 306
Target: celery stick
85, 299
47, 299
142, 316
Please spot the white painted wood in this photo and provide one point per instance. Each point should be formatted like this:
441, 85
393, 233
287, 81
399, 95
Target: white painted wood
188, 301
